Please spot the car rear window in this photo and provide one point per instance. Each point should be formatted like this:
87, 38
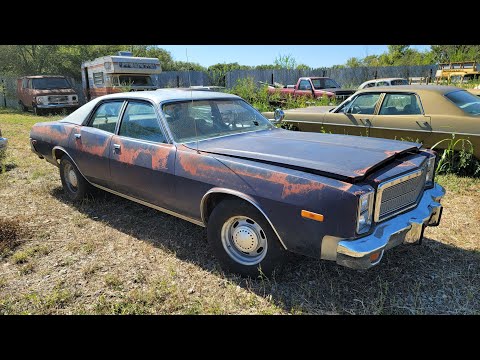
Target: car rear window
465, 101
399, 82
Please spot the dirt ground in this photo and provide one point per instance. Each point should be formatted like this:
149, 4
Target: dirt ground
111, 256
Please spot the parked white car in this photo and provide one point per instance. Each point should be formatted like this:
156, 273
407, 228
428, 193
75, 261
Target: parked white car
384, 82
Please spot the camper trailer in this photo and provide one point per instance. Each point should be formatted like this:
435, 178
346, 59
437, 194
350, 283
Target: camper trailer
119, 73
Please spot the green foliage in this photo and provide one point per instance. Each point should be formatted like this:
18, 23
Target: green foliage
457, 158
397, 55
448, 53
285, 62
259, 97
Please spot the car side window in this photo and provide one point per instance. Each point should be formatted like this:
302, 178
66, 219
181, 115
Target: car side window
383, 83
106, 116
140, 122
400, 104
363, 104
304, 85
372, 84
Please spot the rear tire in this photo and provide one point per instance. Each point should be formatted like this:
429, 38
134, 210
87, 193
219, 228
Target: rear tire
243, 241
74, 184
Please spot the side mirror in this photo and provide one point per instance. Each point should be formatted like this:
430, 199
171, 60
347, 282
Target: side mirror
278, 115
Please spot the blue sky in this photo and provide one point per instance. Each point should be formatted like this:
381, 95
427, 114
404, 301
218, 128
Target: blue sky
311, 55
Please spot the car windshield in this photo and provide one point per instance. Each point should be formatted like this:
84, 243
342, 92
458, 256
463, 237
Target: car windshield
324, 84
50, 83
134, 80
203, 119
465, 101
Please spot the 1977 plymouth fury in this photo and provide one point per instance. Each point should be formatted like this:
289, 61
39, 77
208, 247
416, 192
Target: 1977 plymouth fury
212, 159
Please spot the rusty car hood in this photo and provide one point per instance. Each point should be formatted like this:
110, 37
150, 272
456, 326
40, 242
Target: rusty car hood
345, 157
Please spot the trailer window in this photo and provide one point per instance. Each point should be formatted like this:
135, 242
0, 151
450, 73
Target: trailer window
98, 78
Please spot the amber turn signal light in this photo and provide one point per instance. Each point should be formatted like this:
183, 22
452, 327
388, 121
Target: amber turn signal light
312, 215
374, 257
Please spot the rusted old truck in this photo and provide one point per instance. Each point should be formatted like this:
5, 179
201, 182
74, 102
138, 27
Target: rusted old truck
315, 87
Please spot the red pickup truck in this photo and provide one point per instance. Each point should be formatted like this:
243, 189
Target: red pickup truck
313, 87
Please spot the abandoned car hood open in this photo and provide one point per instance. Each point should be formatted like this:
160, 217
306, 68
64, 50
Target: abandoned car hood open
345, 157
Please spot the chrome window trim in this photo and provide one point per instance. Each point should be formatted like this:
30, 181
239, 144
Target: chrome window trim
387, 184
242, 196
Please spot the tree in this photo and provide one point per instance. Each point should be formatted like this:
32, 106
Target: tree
303, 67
354, 62
285, 62
448, 53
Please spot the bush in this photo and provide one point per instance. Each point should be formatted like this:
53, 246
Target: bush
457, 158
259, 97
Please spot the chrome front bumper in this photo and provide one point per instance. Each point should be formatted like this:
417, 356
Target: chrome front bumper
57, 106
407, 228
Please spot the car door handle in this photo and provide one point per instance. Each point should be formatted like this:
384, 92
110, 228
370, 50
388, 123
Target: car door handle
367, 122
78, 136
116, 147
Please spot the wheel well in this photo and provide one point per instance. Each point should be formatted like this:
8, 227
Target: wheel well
58, 154
213, 200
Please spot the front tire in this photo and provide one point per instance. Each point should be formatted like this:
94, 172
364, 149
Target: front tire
74, 184
242, 240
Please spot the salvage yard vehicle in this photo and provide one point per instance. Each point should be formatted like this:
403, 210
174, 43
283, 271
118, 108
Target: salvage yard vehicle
118, 73
457, 72
383, 82
46, 92
315, 87
425, 113
212, 159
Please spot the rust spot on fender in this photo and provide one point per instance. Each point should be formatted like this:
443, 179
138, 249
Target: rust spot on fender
407, 163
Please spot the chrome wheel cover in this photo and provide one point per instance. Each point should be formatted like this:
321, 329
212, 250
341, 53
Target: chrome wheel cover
244, 240
71, 178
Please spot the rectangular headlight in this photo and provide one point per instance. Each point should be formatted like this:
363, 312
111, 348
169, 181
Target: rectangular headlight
430, 171
365, 212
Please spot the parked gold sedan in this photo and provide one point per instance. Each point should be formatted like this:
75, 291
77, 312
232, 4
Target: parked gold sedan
423, 113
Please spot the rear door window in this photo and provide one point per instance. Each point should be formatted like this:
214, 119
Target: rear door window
400, 104
106, 116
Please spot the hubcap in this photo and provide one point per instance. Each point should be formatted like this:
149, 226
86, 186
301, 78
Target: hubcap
71, 178
244, 240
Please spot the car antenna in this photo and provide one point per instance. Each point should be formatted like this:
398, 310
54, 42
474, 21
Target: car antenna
191, 97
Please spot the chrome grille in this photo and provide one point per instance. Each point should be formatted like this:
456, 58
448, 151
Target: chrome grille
399, 194
58, 99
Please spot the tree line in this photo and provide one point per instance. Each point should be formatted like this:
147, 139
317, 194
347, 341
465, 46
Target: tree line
67, 59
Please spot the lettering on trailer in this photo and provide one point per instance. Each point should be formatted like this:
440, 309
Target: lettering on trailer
134, 65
